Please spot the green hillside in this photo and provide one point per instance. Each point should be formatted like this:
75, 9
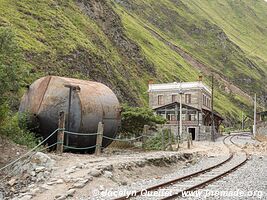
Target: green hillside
124, 44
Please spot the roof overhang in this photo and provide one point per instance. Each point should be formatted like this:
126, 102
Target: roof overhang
182, 86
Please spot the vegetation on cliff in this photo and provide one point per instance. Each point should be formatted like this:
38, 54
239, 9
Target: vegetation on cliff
124, 44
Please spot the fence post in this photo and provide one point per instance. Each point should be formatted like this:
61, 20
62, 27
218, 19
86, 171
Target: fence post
188, 140
60, 133
99, 139
162, 139
144, 138
177, 139
170, 139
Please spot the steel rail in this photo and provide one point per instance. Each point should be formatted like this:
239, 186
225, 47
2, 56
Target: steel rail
181, 178
204, 183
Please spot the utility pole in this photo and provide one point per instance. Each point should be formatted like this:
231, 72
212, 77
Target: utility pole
177, 136
255, 116
242, 126
181, 123
212, 111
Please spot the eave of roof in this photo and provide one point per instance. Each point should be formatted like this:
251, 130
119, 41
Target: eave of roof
182, 86
173, 103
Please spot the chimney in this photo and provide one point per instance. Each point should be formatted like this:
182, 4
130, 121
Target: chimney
150, 81
200, 78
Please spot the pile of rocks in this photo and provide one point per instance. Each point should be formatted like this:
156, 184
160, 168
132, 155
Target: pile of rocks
256, 148
26, 172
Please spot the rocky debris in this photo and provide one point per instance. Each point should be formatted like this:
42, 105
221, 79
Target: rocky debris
108, 174
69, 193
26, 197
95, 172
55, 181
125, 166
45, 187
39, 169
160, 161
35, 191
80, 183
37, 175
42, 159
107, 168
260, 147
140, 164
12, 181
70, 170
123, 183
32, 169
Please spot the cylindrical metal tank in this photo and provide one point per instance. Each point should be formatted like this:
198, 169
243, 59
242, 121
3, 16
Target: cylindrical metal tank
86, 103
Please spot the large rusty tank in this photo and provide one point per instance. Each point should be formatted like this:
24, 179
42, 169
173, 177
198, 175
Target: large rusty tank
85, 103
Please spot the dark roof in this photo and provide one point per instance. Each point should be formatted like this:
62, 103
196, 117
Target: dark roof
174, 103
215, 113
262, 113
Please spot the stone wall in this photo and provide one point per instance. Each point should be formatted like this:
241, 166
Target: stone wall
262, 128
201, 133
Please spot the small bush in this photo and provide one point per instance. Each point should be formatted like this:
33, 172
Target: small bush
155, 143
133, 119
20, 135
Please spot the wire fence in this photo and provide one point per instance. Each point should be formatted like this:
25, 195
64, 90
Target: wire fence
123, 140
26, 154
31, 152
80, 134
79, 148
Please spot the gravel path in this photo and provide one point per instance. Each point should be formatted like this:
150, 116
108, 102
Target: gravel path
250, 180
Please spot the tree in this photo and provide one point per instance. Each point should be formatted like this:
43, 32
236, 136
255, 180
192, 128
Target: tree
133, 119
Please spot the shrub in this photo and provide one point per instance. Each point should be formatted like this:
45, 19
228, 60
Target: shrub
19, 134
155, 143
133, 119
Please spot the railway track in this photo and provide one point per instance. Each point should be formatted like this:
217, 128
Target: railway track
199, 179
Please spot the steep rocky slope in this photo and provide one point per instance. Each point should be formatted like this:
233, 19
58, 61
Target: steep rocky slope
125, 43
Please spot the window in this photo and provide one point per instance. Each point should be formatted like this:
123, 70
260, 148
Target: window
160, 99
174, 98
173, 118
208, 103
203, 99
188, 98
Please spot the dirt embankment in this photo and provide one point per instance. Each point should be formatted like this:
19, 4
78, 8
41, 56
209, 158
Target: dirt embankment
50, 176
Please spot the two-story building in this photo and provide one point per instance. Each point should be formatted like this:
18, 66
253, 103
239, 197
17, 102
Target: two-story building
195, 98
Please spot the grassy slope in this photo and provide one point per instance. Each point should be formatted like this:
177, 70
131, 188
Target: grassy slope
187, 25
244, 22
54, 33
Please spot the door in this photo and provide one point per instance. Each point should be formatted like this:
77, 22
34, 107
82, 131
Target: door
192, 131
